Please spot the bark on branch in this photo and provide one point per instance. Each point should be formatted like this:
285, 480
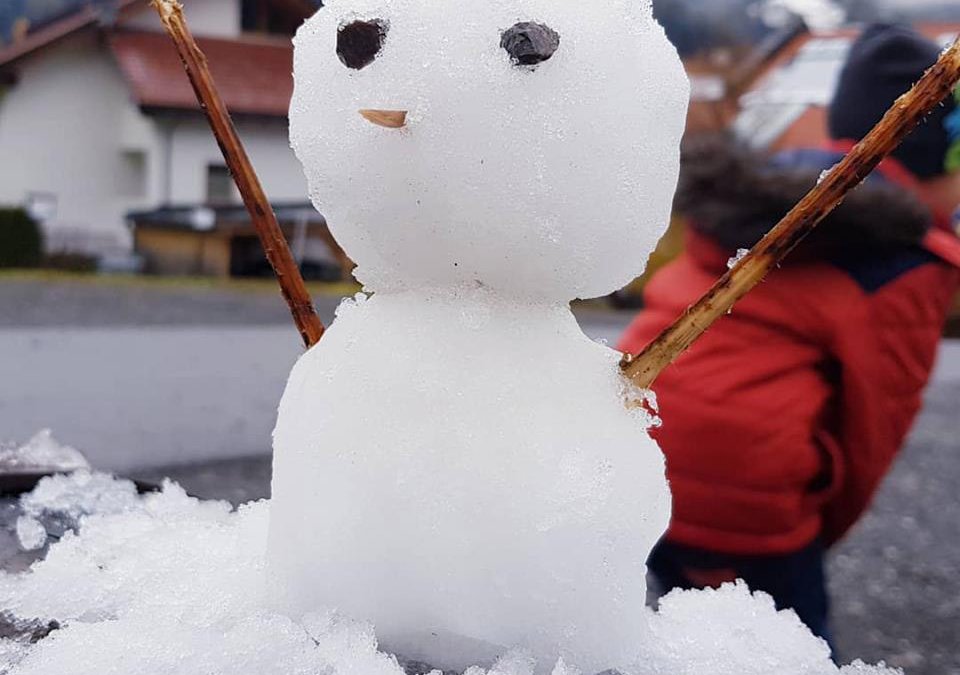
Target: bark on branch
261, 213
908, 111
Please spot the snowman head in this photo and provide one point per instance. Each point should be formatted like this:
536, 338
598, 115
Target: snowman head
526, 146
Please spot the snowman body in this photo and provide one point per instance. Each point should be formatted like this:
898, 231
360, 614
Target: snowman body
463, 511
455, 460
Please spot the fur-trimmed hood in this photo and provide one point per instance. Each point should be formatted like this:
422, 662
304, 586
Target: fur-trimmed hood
734, 196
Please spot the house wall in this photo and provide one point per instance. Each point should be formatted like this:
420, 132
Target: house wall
181, 252
211, 18
68, 128
267, 144
59, 135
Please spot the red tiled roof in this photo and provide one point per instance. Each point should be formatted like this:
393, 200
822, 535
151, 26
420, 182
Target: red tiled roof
52, 32
254, 77
810, 129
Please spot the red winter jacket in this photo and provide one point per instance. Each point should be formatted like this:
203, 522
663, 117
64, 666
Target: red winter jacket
780, 423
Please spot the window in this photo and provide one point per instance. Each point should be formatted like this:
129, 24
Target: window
270, 16
809, 79
131, 179
220, 188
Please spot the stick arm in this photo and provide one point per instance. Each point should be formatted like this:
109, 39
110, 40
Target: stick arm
907, 112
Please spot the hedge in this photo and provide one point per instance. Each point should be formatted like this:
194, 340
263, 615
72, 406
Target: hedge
21, 241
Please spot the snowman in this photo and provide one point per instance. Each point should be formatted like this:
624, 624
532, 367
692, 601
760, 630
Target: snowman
455, 461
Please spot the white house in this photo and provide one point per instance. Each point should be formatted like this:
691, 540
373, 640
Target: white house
97, 118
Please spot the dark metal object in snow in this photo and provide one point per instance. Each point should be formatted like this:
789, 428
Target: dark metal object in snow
530, 43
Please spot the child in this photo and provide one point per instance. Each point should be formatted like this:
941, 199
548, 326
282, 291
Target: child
779, 424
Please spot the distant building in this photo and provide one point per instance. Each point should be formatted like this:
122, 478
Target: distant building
718, 77
98, 120
785, 106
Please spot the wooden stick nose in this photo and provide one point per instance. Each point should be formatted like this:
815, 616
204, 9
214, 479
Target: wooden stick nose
391, 119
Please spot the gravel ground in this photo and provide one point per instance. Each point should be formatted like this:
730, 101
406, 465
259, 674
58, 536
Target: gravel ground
895, 581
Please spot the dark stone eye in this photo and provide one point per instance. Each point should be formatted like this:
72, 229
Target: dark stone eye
530, 43
359, 42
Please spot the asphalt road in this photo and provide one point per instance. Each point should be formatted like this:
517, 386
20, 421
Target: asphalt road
140, 376
184, 383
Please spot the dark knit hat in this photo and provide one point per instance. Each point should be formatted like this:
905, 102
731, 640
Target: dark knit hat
883, 64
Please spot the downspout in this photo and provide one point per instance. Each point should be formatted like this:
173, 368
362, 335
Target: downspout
166, 170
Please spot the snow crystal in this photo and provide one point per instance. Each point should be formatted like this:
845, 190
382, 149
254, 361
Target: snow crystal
176, 585
523, 179
40, 453
825, 174
735, 260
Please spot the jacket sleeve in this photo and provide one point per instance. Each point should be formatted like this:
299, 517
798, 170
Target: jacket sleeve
886, 346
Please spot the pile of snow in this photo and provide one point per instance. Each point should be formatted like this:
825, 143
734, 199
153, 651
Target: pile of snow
174, 585
41, 453
58, 503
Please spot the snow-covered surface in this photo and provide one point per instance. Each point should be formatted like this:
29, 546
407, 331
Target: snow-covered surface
176, 586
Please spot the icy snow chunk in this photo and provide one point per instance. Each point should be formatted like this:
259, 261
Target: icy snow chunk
554, 180
42, 452
80, 493
58, 503
31, 533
